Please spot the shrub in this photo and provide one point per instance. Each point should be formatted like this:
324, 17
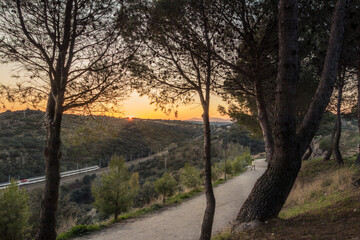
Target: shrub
146, 194
115, 192
14, 213
190, 177
324, 143
165, 186
79, 230
215, 173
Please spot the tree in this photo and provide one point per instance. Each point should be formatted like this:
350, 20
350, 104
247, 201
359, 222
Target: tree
165, 186
273, 187
14, 213
115, 191
357, 161
177, 65
72, 56
190, 177
146, 194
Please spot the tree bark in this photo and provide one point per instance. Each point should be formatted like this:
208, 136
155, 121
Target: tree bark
264, 122
49, 202
206, 227
336, 146
271, 190
307, 154
330, 150
357, 162
273, 187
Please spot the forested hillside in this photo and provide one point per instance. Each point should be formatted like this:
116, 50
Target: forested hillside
93, 140
86, 140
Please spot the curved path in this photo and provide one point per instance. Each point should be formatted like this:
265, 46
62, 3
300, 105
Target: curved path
183, 221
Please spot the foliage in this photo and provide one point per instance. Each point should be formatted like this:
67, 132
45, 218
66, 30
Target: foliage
139, 212
190, 177
77, 231
166, 186
22, 140
146, 194
215, 172
324, 143
115, 192
14, 213
182, 196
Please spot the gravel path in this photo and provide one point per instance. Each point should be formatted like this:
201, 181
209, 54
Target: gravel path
183, 221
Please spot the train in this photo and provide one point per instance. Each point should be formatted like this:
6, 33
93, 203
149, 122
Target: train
42, 178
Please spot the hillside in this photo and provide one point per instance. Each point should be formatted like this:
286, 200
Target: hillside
86, 140
93, 140
324, 204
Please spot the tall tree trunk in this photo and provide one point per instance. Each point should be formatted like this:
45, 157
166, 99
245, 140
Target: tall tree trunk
308, 153
264, 122
273, 187
336, 146
357, 162
49, 202
206, 227
330, 150
271, 190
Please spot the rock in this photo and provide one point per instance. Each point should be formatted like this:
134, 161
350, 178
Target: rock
238, 228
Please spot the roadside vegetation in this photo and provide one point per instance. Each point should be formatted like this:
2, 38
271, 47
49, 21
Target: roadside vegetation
324, 204
167, 190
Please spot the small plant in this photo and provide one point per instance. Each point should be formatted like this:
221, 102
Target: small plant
190, 177
115, 192
166, 186
77, 231
14, 213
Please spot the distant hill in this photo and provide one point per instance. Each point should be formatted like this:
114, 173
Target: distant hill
85, 140
213, 121
93, 140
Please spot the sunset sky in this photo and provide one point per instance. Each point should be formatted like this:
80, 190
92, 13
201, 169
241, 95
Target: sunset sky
135, 106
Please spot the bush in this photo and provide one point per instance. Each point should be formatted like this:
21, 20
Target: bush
324, 143
190, 177
79, 230
146, 194
165, 186
115, 192
215, 173
14, 213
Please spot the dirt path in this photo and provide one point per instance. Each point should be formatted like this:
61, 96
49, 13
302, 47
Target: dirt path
183, 221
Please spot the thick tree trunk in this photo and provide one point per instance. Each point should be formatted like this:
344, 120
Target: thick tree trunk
357, 162
330, 150
272, 189
336, 146
264, 123
307, 154
206, 227
49, 202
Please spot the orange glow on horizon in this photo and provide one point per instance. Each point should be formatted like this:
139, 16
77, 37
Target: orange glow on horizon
133, 106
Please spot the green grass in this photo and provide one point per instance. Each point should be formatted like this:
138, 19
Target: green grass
138, 212
312, 168
79, 230
321, 202
182, 196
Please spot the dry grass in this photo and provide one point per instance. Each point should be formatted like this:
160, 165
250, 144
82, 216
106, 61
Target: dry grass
322, 185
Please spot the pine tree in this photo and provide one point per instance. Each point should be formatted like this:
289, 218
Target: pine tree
115, 191
14, 213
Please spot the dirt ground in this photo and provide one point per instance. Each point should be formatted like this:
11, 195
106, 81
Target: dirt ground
340, 221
